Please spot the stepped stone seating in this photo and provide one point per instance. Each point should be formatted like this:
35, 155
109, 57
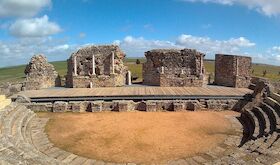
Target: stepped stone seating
23, 141
261, 126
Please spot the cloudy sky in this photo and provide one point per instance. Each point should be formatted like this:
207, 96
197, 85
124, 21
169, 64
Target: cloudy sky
58, 27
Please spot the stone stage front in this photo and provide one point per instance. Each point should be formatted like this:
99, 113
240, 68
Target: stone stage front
135, 93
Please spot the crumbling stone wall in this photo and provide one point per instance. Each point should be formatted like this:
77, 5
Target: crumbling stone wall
96, 66
233, 71
173, 67
40, 74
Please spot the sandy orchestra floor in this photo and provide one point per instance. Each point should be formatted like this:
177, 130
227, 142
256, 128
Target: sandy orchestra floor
139, 137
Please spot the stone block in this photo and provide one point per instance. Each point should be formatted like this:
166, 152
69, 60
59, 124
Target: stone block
193, 105
178, 106
96, 106
60, 106
75, 106
39, 107
125, 106
151, 106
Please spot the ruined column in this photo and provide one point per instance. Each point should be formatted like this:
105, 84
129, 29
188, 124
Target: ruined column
113, 62
93, 65
128, 78
201, 65
237, 66
182, 71
75, 65
162, 70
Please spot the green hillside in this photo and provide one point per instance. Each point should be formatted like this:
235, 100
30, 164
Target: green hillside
15, 73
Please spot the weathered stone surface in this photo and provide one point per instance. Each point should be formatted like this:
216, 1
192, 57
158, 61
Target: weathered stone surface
151, 106
40, 107
96, 106
96, 66
40, 74
125, 106
233, 71
22, 99
172, 67
76, 106
178, 106
10, 89
221, 104
60, 106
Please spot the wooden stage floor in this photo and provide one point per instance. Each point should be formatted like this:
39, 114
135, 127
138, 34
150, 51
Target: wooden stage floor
135, 92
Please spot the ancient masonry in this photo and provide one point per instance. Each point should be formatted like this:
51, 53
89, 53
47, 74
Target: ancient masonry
97, 66
233, 71
172, 67
40, 74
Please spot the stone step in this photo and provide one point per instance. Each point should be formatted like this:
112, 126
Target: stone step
263, 120
271, 139
252, 86
248, 127
273, 116
274, 104
255, 121
275, 96
9, 121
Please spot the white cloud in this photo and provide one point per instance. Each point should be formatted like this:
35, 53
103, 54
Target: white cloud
267, 7
21, 50
34, 27
137, 46
208, 45
22, 8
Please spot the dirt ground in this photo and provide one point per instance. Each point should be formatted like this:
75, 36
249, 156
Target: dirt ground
139, 137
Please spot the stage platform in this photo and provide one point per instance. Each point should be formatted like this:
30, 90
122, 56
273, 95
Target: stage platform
135, 93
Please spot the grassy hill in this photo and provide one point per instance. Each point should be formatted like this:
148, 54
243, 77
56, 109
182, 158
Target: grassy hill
16, 73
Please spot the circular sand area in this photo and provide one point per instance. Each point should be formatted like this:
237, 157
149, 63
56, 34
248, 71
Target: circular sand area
139, 137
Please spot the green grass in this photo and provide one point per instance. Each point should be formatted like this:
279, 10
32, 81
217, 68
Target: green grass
16, 73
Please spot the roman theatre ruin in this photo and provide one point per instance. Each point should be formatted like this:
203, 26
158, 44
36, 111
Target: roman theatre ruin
174, 117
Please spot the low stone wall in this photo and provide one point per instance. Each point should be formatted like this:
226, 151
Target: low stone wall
129, 105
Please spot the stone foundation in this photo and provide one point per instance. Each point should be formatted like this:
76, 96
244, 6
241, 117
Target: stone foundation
129, 105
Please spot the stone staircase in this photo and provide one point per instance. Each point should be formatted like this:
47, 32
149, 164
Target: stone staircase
262, 127
23, 140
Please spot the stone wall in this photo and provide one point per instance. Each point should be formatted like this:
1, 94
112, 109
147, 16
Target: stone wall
129, 105
233, 71
172, 67
96, 66
40, 74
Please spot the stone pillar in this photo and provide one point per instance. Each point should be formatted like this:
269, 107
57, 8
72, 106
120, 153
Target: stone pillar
75, 66
90, 85
128, 78
113, 62
237, 66
162, 70
201, 65
93, 65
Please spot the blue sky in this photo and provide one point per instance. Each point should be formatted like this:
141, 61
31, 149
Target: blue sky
57, 28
